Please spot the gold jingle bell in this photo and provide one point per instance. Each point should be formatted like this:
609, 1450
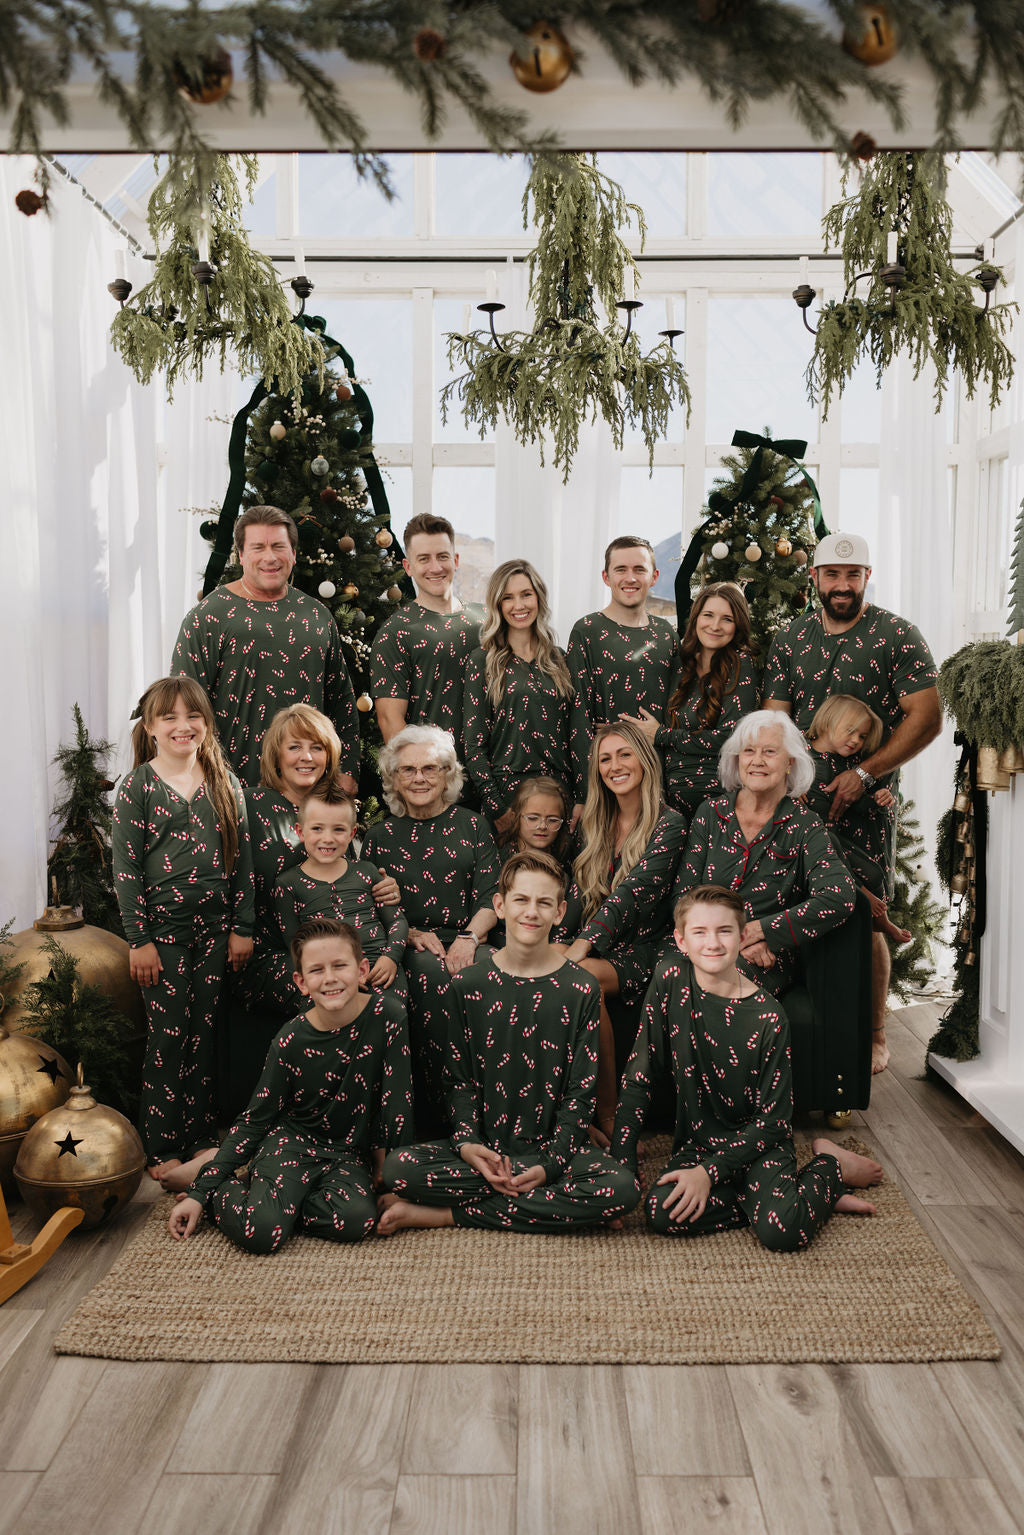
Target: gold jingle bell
543, 60
962, 803
33, 1080
872, 38
82, 1154
102, 960
990, 775
958, 884
1011, 760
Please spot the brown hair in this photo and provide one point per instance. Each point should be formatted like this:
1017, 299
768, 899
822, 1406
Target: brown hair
724, 673
494, 640
427, 522
264, 517
324, 927
160, 698
839, 706
629, 542
709, 895
306, 724
328, 791
527, 788
531, 863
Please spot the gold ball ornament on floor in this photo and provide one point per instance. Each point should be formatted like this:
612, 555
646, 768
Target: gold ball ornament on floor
33, 1080
82, 1154
873, 37
210, 82
364, 703
543, 60
102, 960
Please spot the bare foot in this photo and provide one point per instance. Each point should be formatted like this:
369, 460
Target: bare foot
849, 1204
858, 1172
157, 1170
385, 1201
616, 1224
176, 1175
885, 924
403, 1215
879, 1052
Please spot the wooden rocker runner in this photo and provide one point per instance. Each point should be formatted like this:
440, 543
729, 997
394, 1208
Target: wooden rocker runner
19, 1261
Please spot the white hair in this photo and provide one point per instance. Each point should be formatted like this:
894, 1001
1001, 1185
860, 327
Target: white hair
801, 769
441, 743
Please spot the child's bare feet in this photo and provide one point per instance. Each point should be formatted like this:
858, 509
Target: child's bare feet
884, 924
176, 1176
858, 1172
879, 1051
850, 1204
157, 1170
403, 1214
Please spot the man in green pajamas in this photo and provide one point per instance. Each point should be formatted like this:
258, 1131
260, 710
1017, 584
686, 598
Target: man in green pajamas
850, 646
334, 1096
724, 1045
624, 659
523, 1074
418, 662
259, 644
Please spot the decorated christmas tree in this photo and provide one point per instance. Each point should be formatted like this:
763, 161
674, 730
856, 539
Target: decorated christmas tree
914, 907
1017, 576
312, 456
79, 867
762, 525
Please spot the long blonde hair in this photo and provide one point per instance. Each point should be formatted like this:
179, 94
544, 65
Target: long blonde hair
593, 867
160, 698
494, 634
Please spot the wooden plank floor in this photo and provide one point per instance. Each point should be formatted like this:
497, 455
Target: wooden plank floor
549, 1450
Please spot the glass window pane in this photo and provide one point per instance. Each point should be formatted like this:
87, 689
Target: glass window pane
647, 322
860, 406
657, 182
260, 216
652, 506
377, 333
757, 353
479, 194
450, 315
752, 194
466, 498
398, 487
335, 200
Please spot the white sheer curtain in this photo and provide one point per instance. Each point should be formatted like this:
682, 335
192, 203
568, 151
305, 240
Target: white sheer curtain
98, 476
561, 529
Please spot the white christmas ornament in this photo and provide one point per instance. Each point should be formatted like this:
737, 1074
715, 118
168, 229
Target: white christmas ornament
278, 430
720, 551
327, 588
320, 465
753, 553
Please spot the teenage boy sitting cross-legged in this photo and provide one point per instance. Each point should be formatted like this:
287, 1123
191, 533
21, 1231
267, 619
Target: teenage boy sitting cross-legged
523, 1077
724, 1045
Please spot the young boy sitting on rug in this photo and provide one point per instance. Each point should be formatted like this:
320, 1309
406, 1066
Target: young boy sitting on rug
724, 1044
523, 1078
335, 1094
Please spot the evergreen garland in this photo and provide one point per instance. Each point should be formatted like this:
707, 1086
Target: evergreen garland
1016, 595
546, 382
176, 326
935, 316
957, 1034
79, 868
10, 970
912, 906
982, 689
82, 1023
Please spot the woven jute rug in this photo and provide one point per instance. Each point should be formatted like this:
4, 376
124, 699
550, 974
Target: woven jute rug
867, 1290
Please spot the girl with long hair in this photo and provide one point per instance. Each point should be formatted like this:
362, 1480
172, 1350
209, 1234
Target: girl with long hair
184, 879
717, 685
521, 714
619, 904
541, 813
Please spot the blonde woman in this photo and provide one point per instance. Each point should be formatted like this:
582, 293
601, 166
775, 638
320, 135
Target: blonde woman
619, 904
521, 714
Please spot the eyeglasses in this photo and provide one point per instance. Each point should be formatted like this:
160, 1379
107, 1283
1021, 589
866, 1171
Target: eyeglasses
429, 774
534, 822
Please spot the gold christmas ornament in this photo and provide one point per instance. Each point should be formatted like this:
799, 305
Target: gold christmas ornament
384, 538
102, 960
212, 81
543, 60
347, 544
784, 547
1011, 760
82, 1154
989, 775
350, 590
840, 1120
33, 1080
752, 553
343, 391
872, 38
800, 555
394, 594
364, 703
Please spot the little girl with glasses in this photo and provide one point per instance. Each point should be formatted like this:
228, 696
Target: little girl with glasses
540, 814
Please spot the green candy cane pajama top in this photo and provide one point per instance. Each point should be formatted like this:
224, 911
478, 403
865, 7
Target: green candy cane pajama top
172, 891
421, 656
728, 1062
621, 670
864, 832
383, 930
254, 658
325, 1101
690, 749
523, 1082
265, 983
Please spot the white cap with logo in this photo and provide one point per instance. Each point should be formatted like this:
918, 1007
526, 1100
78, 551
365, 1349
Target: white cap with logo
842, 549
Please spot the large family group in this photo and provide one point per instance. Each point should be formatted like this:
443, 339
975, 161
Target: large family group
632, 843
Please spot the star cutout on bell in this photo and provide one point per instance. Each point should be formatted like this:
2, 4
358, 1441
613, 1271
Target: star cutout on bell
50, 1069
68, 1144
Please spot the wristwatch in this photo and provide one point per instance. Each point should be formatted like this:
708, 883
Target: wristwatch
865, 778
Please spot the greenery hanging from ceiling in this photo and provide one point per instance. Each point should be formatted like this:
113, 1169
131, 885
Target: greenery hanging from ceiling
547, 381
934, 316
177, 325
738, 51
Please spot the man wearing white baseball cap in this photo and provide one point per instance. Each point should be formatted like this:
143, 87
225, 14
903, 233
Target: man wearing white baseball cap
849, 646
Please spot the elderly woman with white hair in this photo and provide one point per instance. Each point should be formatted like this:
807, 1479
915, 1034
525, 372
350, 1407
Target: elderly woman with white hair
760, 840
447, 868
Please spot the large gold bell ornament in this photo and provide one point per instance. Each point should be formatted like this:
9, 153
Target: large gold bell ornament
102, 960
82, 1154
543, 60
872, 38
33, 1080
990, 775
1011, 760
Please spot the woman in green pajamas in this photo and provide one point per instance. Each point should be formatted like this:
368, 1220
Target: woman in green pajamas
334, 1097
444, 859
521, 1096
521, 712
619, 905
724, 1045
184, 881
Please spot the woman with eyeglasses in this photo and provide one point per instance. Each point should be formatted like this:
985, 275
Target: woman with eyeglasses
446, 864
521, 713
